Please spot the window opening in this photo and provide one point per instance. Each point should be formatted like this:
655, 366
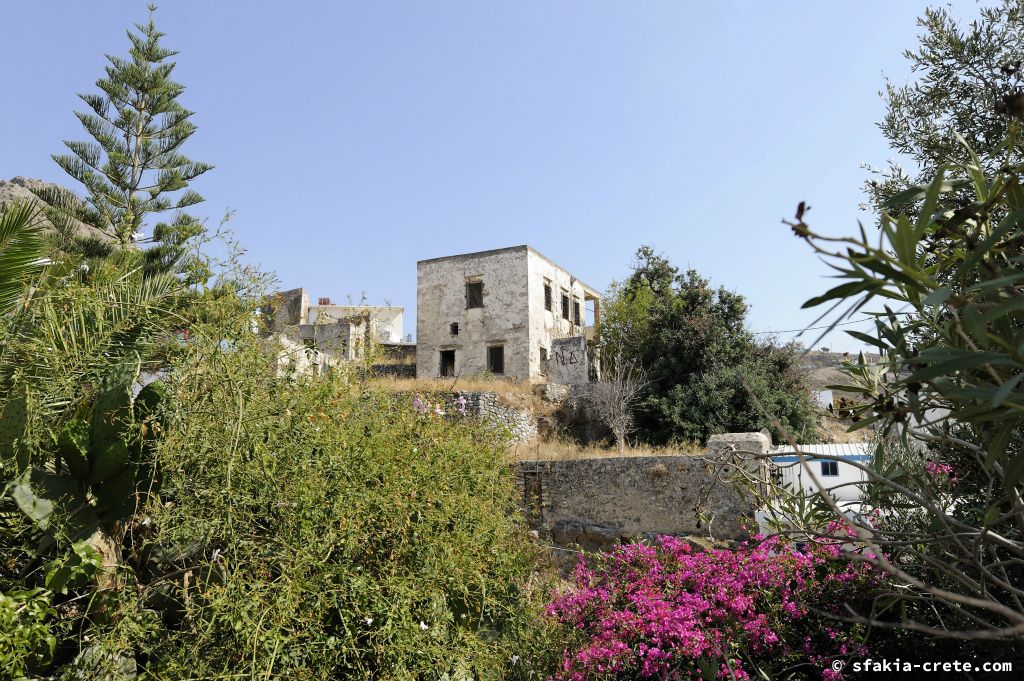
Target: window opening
474, 294
496, 359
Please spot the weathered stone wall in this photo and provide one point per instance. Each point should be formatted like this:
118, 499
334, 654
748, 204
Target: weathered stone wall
393, 370
489, 407
521, 423
595, 502
567, 363
286, 309
513, 313
441, 302
546, 327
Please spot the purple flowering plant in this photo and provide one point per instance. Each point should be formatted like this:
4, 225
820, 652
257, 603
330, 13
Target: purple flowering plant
425, 407
675, 611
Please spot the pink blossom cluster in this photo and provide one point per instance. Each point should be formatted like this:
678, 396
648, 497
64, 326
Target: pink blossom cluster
665, 611
936, 468
424, 406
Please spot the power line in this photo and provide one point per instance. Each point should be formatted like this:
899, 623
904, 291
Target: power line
824, 326
813, 328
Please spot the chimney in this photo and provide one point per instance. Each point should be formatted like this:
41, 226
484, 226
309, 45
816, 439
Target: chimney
324, 301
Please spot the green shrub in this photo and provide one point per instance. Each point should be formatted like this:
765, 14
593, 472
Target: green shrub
320, 531
25, 636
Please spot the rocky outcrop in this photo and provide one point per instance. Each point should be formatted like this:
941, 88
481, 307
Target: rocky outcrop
24, 189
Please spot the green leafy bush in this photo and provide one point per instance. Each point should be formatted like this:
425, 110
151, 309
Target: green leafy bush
316, 529
706, 373
947, 393
25, 636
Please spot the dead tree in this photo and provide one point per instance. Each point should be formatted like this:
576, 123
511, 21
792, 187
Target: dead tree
614, 397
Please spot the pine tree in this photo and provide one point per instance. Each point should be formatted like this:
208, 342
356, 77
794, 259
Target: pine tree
134, 167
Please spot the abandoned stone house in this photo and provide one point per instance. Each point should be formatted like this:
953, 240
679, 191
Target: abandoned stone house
318, 336
504, 312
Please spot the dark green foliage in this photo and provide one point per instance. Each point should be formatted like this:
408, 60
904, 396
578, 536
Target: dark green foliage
707, 373
134, 167
965, 81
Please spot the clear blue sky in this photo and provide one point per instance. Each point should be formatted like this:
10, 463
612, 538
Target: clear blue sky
353, 139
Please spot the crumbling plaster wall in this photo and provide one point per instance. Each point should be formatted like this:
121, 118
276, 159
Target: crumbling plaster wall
387, 321
567, 363
545, 325
441, 301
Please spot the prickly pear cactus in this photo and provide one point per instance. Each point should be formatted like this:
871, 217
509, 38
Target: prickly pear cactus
112, 411
100, 460
13, 426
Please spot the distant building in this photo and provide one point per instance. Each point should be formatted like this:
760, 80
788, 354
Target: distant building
839, 476
501, 312
318, 336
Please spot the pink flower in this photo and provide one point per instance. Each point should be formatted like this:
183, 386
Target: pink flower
935, 468
650, 611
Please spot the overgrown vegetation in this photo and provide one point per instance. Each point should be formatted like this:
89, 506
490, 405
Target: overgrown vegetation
172, 509
704, 371
949, 530
298, 529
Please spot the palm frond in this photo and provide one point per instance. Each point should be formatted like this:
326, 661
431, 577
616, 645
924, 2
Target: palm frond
22, 251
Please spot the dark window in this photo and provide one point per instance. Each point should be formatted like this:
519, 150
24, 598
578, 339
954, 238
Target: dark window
454, 329
496, 359
474, 294
830, 468
576, 312
565, 306
547, 297
447, 363
309, 342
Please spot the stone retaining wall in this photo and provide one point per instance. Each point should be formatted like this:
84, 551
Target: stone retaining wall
599, 501
393, 370
521, 423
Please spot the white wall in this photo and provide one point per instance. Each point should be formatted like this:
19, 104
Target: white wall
545, 326
799, 476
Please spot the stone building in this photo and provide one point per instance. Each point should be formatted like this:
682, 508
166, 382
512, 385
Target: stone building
317, 336
501, 312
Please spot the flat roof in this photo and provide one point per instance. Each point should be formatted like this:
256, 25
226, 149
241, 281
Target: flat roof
857, 451
508, 249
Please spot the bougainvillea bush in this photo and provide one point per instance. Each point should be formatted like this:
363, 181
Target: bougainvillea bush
675, 611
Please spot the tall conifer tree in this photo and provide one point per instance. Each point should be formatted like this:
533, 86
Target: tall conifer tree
134, 167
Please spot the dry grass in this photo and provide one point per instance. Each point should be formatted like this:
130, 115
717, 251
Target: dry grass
513, 393
539, 450
433, 385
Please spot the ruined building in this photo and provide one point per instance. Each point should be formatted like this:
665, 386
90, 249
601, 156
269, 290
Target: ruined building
509, 311
317, 336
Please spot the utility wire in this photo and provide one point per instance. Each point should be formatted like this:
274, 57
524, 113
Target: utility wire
813, 328
826, 326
